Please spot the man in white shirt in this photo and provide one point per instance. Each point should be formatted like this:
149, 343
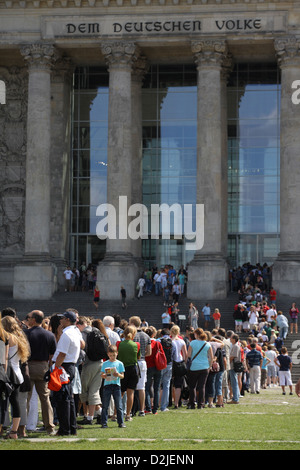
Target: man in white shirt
68, 276
66, 356
109, 323
272, 313
157, 280
271, 367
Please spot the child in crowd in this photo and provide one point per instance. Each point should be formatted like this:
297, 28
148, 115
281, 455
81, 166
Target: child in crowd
217, 317
96, 297
112, 371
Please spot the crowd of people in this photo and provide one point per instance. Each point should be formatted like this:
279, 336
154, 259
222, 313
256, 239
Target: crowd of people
118, 369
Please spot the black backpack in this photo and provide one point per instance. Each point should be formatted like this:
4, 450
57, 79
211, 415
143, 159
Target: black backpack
167, 347
96, 345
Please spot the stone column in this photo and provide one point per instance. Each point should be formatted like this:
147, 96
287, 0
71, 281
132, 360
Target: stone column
138, 73
208, 271
35, 277
286, 269
60, 164
119, 267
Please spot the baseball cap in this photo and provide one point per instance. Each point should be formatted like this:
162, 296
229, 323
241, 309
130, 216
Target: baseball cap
70, 315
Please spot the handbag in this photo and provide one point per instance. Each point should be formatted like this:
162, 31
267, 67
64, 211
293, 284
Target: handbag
12, 376
189, 363
179, 369
26, 385
56, 378
238, 366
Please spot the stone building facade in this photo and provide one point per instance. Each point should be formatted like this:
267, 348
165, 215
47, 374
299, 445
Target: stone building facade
43, 42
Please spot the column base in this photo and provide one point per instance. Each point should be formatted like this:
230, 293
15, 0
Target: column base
116, 270
207, 278
34, 280
286, 274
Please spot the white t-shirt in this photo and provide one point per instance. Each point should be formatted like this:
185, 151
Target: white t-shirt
178, 343
253, 317
271, 313
272, 356
68, 274
69, 344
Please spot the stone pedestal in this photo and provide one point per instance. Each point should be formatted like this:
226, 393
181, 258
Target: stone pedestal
286, 269
119, 266
208, 271
35, 278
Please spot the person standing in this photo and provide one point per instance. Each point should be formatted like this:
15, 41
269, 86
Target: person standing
140, 285
200, 352
18, 353
294, 312
284, 362
123, 297
206, 315
235, 356
4, 347
254, 360
112, 372
193, 316
66, 356
145, 350
43, 345
68, 274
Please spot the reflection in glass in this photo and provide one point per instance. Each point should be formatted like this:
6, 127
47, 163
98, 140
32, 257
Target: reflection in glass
253, 163
169, 152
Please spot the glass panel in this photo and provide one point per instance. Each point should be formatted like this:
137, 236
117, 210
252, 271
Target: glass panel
253, 98
89, 162
169, 151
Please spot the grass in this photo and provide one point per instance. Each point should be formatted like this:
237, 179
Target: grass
269, 421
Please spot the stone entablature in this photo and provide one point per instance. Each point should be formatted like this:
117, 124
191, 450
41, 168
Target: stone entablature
119, 3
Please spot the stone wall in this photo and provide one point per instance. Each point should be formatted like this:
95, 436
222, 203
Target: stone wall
13, 136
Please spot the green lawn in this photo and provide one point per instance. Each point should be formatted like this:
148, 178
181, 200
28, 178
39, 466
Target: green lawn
269, 421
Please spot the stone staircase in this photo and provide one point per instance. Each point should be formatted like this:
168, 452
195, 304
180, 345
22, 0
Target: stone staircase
149, 307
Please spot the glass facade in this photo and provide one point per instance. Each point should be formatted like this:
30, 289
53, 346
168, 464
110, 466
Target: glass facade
169, 101
169, 152
89, 173
253, 163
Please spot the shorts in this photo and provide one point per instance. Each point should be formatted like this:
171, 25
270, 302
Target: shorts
294, 321
285, 377
131, 378
207, 317
143, 375
271, 371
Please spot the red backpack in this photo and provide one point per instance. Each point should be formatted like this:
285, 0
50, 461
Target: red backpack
160, 359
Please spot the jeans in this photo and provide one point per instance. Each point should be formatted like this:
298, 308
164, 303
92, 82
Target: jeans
153, 373
166, 376
157, 288
114, 391
219, 382
234, 385
283, 331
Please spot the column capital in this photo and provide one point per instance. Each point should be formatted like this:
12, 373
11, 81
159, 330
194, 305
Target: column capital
209, 52
40, 56
288, 51
140, 67
120, 53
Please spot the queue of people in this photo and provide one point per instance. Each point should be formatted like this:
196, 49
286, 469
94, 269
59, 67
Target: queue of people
125, 378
